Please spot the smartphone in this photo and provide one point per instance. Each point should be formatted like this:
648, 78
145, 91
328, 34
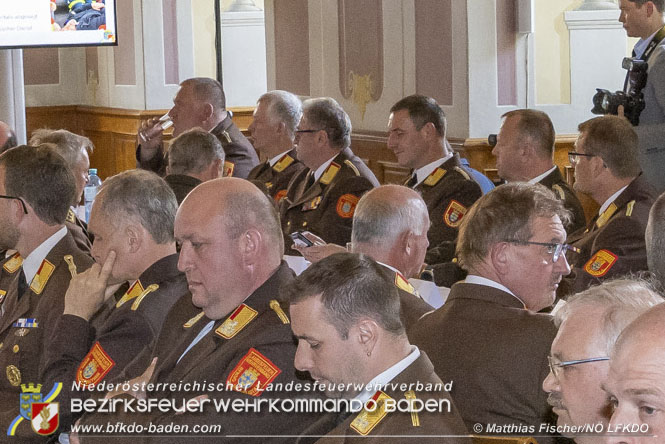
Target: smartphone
300, 240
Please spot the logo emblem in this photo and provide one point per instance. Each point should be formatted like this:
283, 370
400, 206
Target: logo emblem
42, 412
45, 417
600, 263
454, 214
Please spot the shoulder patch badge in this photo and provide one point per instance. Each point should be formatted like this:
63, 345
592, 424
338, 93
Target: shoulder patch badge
558, 190
629, 208
369, 418
13, 263
454, 214
194, 320
96, 364
330, 173
435, 177
71, 217
144, 293
253, 373
346, 205
134, 291
228, 168
600, 263
283, 163
41, 278
238, 320
402, 283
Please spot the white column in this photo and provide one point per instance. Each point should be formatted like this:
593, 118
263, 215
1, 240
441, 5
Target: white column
12, 98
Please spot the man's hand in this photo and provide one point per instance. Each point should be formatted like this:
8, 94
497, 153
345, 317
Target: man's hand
319, 250
151, 144
89, 290
137, 383
97, 6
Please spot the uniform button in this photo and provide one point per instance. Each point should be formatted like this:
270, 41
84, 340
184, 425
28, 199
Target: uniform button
304, 224
15, 349
1, 344
288, 223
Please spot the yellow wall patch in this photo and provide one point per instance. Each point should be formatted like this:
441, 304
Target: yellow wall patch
253, 373
96, 364
330, 173
346, 205
133, 292
454, 214
434, 177
228, 168
14, 263
600, 263
41, 278
238, 320
367, 420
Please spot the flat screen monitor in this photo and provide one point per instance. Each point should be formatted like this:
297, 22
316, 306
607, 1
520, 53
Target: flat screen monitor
40, 23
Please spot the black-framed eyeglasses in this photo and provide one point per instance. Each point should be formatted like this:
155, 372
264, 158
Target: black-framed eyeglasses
309, 131
574, 157
556, 365
554, 249
25, 209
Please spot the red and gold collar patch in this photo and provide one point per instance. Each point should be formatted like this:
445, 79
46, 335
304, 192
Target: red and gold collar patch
253, 373
600, 263
3, 293
435, 177
13, 263
346, 205
96, 364
372, 414
133, 292
454, 214
41, 278
283, 163
238, 320
402, 283
281, 194
71, 217
228, 168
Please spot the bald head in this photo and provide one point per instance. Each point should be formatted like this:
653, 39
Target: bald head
7, 137
389, 222
647, 331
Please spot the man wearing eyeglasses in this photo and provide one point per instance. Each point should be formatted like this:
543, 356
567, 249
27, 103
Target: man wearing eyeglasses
487, 338
36, 189
589, 324
322, 197
606, 168
524, 150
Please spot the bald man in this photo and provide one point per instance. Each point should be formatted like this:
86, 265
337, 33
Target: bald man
636, 381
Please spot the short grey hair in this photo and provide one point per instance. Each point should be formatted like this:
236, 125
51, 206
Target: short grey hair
326, 114
378, 219
285, 107
193, 151
655, 239
623, 300
142, 196
66, 143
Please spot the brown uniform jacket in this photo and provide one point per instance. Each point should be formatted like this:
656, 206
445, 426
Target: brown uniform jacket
326, 208
495, 352
78, 353
613, 244
181, 184
264, 346
395, 423
411, 304
240, 155
23, 349
276, 178
79, 231
554, 181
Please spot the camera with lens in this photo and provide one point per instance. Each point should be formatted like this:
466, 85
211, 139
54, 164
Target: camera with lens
632, 99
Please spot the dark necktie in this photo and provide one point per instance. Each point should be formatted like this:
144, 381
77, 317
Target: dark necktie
22, 283
412, 182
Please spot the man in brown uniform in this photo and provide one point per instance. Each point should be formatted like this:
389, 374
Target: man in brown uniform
231, 250
132, 220
524, 152
322, 198
273, 132
37, 188
606, 167
76, 151
487, 337
346, 316
200, 102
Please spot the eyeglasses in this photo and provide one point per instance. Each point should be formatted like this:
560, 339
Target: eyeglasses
25, 210
309, 131
554, 249
556, 365
574, 157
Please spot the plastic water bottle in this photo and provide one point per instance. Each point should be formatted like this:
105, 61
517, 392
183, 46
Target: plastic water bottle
90, 191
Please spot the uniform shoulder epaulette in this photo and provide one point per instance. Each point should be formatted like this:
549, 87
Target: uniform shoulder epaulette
194, 320
350, 164
238, 320
557, 188
225, 135
13, 263
71, 217
330, 173
69, 259
463, 172
144, 293
133, 292
274, 305
283, 163
365, 422
41, 278
629, 208
411, 396
434, 177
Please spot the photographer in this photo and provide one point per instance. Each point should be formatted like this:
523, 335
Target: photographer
644, 19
